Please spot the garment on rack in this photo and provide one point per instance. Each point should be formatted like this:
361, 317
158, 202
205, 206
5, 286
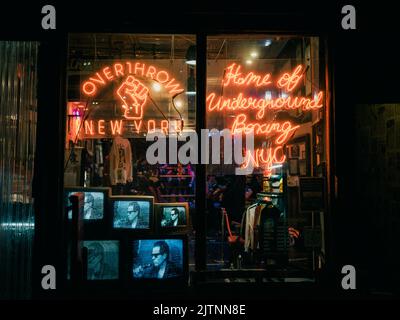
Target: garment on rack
252, 222
120, 161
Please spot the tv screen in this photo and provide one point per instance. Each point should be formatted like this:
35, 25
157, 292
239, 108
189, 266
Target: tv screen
102, 259
158, 259
173, 217
93, 206
131, 214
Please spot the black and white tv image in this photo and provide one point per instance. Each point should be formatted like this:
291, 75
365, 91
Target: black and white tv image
158, 259
173, 217
102, 259
94, 203
132, 214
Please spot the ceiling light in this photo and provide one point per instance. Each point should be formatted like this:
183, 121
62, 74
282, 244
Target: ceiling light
191, 55
156, 87
254, 54
267, 43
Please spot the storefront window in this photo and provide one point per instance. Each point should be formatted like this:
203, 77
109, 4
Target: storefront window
265, 97
120, 88
264, 218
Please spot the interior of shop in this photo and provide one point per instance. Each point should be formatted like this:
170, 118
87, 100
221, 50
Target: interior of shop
261, 221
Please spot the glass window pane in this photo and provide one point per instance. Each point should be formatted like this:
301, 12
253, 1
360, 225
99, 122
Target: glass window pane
270, 86
120, 88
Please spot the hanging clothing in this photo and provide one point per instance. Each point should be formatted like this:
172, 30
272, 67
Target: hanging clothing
120, 161
252, 217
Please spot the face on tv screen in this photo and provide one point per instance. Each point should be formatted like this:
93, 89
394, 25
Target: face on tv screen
94, 205
173, 217
157, 259
130, 214
102, 259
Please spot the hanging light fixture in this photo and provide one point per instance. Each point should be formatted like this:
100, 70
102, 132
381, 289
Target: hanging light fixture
191, 83
191, 55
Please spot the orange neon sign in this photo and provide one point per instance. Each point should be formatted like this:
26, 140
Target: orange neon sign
234, 76
242, 103
102, 127
280, 131
290, 81
133, 95
284, 129
132, 92
101, 78
264, 157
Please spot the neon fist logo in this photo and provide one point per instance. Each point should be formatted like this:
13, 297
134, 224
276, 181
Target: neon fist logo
133, 95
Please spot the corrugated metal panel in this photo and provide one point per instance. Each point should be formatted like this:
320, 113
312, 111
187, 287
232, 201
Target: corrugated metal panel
18, 63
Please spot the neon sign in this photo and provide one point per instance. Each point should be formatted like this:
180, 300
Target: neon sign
110, 73
132, 92
280, 131
284, 129
133, 95
102, 127
234, 76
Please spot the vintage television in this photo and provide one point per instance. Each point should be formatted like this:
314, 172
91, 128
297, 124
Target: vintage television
101, 260
158, 259
172, 217
95, 205
95, 209
132, 213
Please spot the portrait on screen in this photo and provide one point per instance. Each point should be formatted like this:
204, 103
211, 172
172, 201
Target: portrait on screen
157, 259
102, 260
131, 214
93, 205
173, 217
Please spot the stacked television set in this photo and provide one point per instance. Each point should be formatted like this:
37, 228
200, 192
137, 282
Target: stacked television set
130, 240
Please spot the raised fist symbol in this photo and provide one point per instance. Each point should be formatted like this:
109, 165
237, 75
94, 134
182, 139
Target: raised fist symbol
133, 95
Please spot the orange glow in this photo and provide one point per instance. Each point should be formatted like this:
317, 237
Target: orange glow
89, 127
101, 127
116, 127
133, 95
233, 75
264, 158
165, 77
284, 129
241, 103
119, 69
109, 128
74, 125
138, 125
151, 125
151, 72
89, 88
139, 67
164, 126
174, 87
290, 81
107, 73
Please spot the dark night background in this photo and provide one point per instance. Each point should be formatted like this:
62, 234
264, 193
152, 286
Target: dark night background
365, 68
